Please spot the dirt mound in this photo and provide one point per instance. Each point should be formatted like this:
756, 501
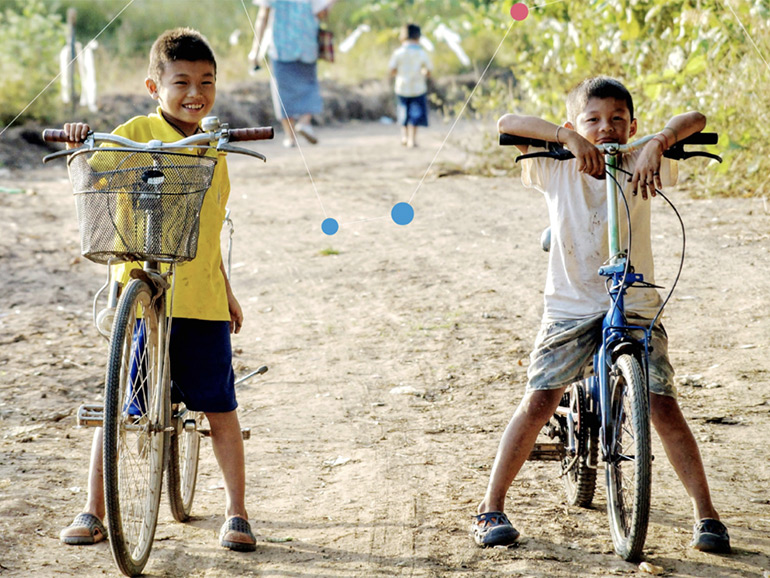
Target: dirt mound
244, 104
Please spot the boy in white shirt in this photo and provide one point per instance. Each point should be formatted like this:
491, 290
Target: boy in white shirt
600, 110
411, 65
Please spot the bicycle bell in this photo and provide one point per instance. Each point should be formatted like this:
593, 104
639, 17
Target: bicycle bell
210, 124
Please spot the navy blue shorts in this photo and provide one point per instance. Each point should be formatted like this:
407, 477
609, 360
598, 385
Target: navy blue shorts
202, 365
412, 110
201, 361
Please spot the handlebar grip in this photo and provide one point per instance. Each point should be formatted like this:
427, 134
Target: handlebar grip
511, 139
55, 135
257, 133
700, 138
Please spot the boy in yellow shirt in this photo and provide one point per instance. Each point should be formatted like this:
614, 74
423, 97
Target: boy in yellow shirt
182, 78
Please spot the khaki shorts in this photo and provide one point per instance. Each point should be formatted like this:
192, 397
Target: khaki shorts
564, 349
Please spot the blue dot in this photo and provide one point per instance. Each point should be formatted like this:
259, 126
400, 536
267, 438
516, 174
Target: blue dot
330, 226
402, 213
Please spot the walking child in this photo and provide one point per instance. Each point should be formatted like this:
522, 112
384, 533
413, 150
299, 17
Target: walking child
182, 78
411, 66
599, 110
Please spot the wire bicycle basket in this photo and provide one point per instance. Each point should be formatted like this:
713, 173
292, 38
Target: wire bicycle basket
139, 205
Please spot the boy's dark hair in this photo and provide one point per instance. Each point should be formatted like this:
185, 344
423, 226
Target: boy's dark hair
412, 32
179, 44
596, 87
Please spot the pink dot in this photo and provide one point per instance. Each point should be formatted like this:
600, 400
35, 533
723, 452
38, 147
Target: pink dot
519, 11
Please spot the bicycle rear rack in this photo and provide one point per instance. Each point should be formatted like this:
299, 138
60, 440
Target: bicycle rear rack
92, 415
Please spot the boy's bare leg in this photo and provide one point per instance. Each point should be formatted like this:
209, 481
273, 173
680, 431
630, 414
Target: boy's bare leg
95, 499
682, 451
411, 135
228, 449
404, 136
84, 529
535, 409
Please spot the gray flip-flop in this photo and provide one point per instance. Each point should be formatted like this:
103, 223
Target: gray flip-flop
93, 525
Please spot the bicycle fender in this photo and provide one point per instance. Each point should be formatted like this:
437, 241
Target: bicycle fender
631, 347
154, 280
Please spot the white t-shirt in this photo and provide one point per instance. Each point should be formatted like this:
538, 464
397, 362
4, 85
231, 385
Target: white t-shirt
577, 209
408, 61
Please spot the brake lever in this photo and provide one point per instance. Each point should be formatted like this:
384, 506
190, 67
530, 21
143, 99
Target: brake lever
555, 151
228, 148
678, 153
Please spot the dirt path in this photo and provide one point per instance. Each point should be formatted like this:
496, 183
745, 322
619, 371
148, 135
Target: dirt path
347, 478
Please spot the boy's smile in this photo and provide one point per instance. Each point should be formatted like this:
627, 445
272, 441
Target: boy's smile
605, 120
186, 92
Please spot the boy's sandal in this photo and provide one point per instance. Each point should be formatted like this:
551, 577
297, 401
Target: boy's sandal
84, 530
710, 535
236, 535
493, 529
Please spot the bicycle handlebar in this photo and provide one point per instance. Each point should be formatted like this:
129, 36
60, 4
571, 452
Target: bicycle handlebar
235, 134
557, 151
255, 133
54, 135
222, 136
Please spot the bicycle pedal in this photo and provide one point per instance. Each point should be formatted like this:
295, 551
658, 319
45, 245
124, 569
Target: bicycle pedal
206, 432
547, 452
91, 415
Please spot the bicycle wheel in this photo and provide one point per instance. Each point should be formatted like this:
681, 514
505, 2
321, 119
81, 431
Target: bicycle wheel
136, 413
182, 471
579, 469
629, 458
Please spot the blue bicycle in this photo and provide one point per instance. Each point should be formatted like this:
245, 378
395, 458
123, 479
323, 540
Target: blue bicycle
607, 415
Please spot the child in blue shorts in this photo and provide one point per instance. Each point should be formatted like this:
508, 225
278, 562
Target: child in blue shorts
599, 110
182, 78
411, 65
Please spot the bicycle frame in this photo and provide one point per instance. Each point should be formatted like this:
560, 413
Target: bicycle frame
616, 332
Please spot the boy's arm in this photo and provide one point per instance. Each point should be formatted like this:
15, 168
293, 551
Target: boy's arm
589, 159
647, 171
236, 313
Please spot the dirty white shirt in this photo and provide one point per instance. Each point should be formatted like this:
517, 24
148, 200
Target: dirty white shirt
577, 209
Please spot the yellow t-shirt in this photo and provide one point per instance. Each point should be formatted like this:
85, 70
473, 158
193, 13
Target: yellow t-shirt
199, 287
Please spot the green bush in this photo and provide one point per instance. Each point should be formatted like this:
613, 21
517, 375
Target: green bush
30, 40
673, 55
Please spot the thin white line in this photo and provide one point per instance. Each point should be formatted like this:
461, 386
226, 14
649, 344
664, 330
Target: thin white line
291, 126
747, 33
462, 110
55, 78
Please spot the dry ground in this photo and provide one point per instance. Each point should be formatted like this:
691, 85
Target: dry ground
345, 477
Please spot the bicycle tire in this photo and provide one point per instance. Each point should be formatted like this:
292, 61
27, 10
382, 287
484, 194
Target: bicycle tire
628, 475
136, 415
182, 469
580, 477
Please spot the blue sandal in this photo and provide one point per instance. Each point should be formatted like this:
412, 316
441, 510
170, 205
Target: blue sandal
236, 535
493, 529
710, 535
